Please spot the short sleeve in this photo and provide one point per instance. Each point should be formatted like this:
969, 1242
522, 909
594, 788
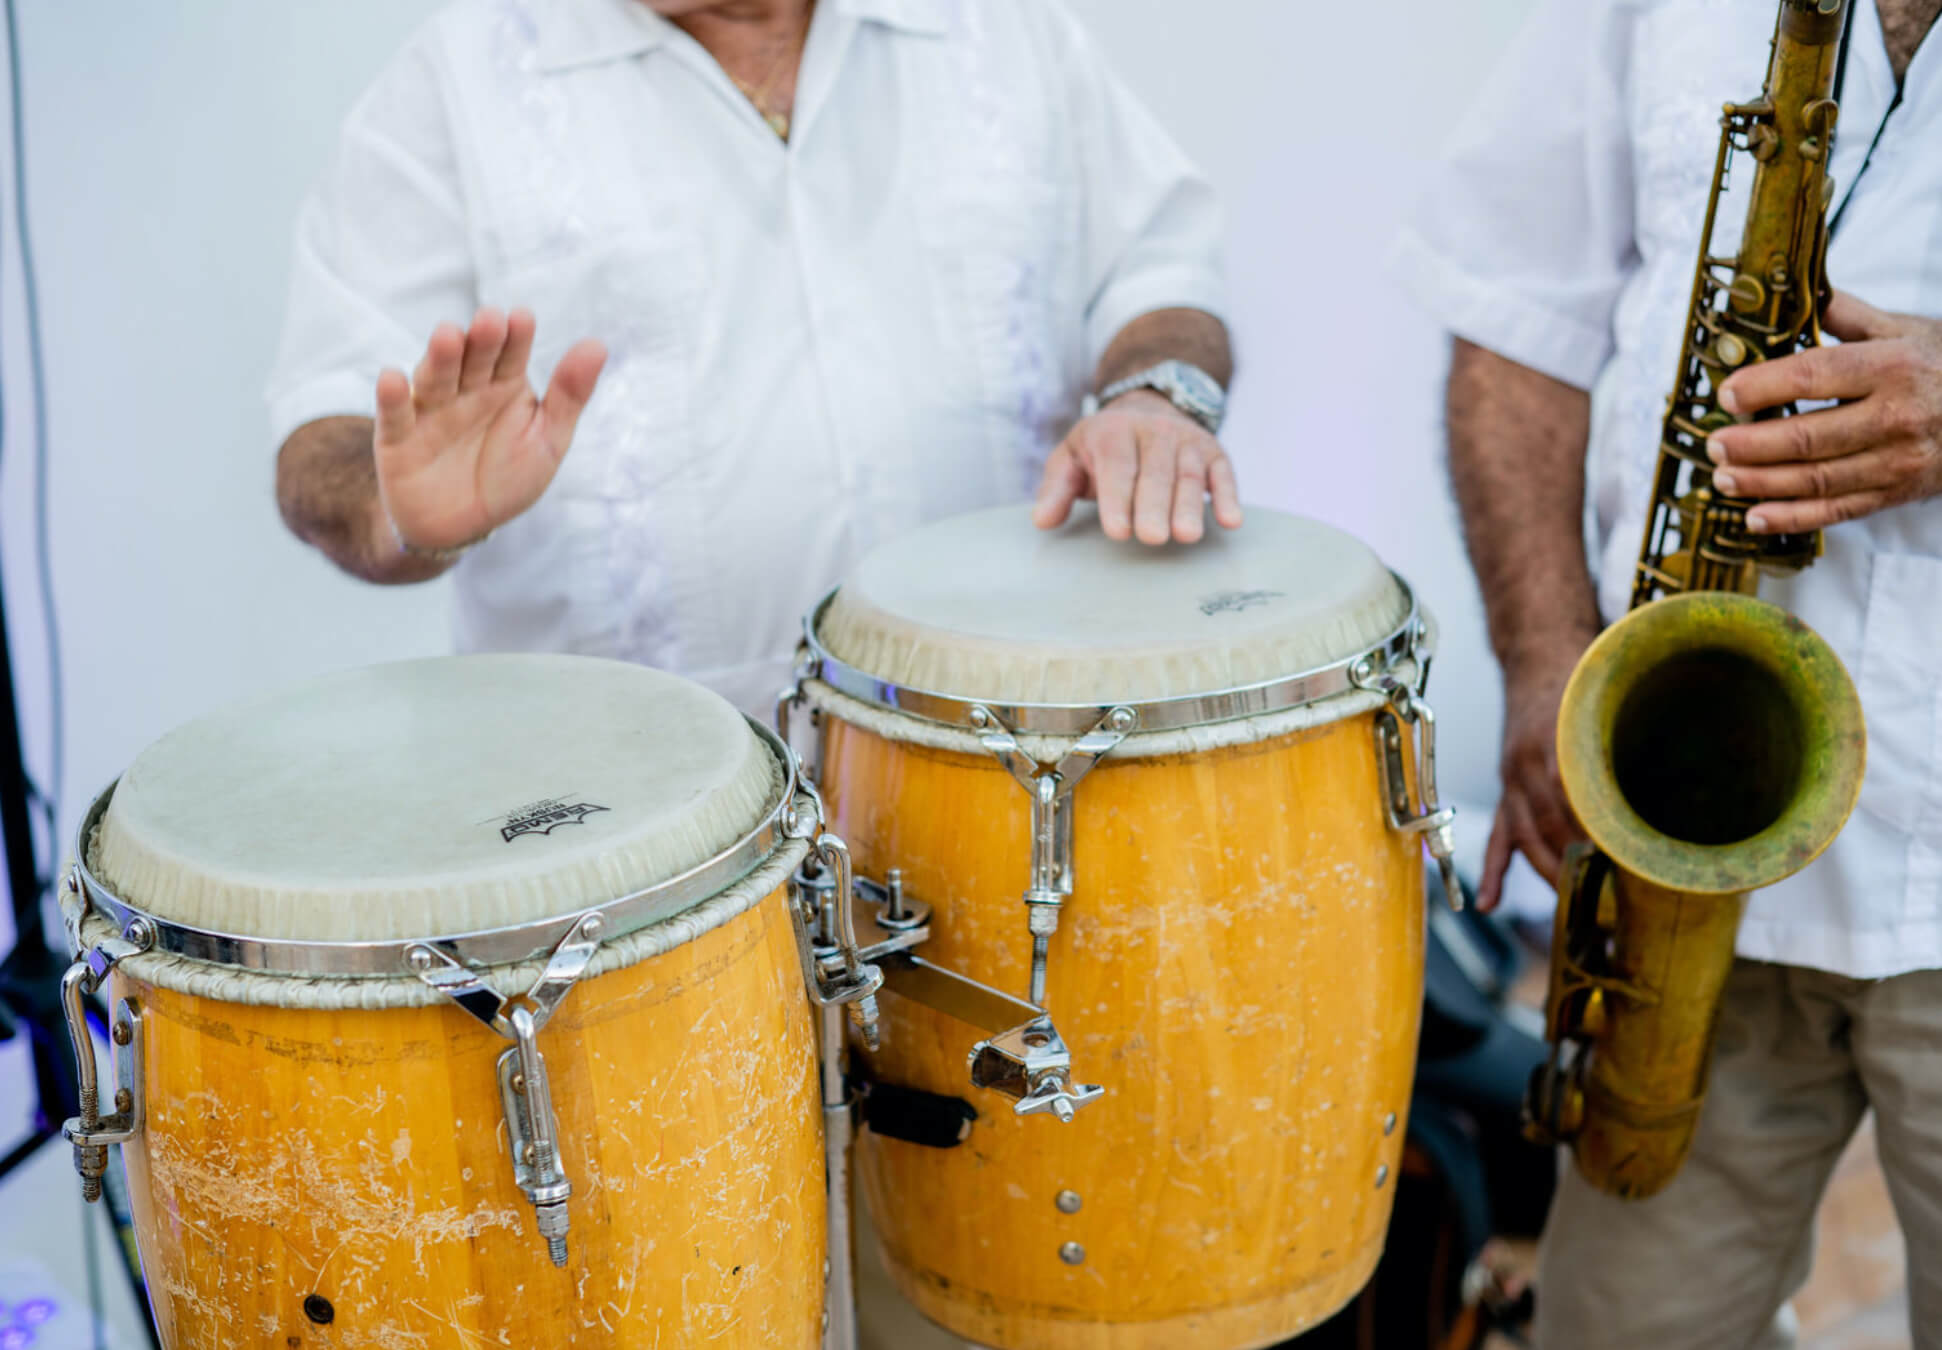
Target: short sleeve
383, 251
1522, 236
1154, 233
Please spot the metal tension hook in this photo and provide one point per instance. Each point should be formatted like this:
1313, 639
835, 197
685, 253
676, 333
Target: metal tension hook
1050, 787
90, 1132
833, 968
1431, 819
524, 1093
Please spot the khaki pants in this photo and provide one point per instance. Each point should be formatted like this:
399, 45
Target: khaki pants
1710, 1262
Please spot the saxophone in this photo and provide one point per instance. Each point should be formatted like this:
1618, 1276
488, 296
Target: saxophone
1709, 742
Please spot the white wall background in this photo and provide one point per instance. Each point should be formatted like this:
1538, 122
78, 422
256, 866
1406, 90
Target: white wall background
168, 147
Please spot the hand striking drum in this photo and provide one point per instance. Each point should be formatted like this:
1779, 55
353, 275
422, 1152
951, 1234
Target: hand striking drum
1156, 821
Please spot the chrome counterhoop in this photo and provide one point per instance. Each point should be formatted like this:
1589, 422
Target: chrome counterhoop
1408, 642
514, 945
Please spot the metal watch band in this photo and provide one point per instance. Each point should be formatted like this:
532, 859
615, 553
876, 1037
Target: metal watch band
1164, 379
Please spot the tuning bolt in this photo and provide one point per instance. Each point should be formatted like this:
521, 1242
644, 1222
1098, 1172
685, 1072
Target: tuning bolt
868, 1021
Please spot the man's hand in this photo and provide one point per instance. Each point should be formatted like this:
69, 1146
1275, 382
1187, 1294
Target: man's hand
1150, 467
1533, 817
1880, 448
463, 446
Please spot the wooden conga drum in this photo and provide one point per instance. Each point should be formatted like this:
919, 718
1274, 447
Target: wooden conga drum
1217, 901
458, 1003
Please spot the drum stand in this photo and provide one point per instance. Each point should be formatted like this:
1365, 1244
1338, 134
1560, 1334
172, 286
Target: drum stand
839, 1132
30, 975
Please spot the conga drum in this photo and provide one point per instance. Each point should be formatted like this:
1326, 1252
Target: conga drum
1173, 801
459, 1003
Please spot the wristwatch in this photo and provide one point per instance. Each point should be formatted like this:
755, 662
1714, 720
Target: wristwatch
1189, 388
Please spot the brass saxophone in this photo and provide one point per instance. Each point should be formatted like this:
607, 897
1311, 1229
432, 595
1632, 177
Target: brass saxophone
1709, 742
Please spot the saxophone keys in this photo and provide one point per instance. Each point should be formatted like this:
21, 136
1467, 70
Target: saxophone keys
1730, 350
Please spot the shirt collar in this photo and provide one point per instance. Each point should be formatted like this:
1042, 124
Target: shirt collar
575, 33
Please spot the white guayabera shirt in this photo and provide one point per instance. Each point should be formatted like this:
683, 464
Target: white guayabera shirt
1562, 230
813, 346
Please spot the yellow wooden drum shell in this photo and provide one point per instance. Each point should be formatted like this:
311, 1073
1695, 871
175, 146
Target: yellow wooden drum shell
1240, 967
360, 1157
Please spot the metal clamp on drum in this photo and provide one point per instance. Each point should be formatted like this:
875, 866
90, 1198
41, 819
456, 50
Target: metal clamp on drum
1032, 1065
91, 1133
834, 969
523, 1089
1433, 820
1050, 786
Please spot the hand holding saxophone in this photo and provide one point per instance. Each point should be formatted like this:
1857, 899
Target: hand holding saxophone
1881, 446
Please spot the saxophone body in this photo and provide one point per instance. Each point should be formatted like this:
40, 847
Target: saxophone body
1710, 743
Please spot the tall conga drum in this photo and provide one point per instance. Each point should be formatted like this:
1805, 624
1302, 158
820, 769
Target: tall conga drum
1169, 807
459, 1003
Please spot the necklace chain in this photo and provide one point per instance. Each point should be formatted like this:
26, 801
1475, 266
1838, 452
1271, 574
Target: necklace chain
779, 120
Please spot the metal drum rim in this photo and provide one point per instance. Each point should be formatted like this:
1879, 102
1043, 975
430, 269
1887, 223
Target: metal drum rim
510, 945
1410, 641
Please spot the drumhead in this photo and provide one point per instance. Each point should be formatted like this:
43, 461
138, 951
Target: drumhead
988, 606
428, 797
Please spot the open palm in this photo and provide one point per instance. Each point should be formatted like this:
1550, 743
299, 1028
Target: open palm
464, 445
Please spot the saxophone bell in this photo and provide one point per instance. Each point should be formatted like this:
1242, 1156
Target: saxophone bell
1710, 744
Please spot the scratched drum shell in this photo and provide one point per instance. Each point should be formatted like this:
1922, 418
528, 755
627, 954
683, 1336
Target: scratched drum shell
1238, 963
323, 1155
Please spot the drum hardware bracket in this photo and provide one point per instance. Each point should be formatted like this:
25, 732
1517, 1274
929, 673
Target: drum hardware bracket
1433, 820
1031, 1065
1050, 787
533, 1134
835, 967
90, 1132
790, 700
1023, 1056
524, 1092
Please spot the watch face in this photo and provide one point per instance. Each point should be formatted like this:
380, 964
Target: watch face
1198, 385
1195, 390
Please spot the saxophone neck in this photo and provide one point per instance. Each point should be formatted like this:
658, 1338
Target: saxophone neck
1778, 284
1760, 302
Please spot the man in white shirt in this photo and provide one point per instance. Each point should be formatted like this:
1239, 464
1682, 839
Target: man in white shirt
1558, 243
794, 276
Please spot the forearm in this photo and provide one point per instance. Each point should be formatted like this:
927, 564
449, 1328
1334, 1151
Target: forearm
327, 490
1517, 462
1189, 335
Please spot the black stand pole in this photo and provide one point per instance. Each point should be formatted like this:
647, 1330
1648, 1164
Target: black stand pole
30, 976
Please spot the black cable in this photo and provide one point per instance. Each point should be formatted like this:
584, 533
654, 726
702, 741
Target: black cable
1840, 84
49, 798
36, 366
